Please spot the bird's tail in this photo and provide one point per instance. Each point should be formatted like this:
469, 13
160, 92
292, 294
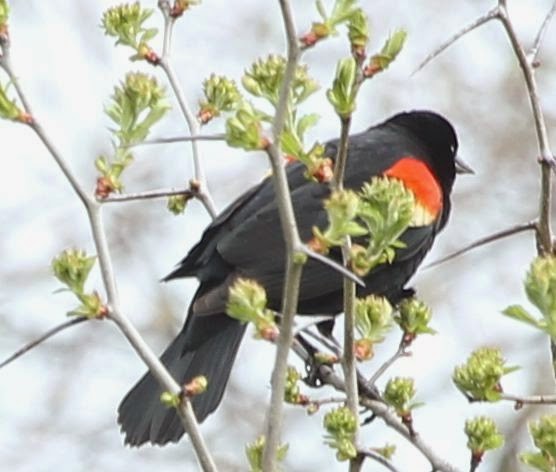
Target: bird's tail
207, 345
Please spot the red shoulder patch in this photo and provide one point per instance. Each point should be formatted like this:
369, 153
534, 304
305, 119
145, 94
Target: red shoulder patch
419, 178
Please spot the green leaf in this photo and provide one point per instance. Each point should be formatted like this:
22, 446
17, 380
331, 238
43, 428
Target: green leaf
517, 312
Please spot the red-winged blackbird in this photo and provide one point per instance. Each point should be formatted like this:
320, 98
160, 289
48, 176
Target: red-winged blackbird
246, 240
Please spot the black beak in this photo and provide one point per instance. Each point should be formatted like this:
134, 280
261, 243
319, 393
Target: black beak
462, 167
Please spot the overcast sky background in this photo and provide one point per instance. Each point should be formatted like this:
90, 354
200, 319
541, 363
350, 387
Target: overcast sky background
57, 404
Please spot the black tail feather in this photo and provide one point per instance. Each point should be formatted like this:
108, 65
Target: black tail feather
207, 346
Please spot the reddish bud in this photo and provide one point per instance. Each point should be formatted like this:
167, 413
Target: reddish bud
317, 245
324, 172
290, 159
103, 312
270, 333
196, 386
372, 69
151, 57
104, 187
205, 115
26, 118
363, 349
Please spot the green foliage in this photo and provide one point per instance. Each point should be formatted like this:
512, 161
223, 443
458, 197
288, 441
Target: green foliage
178, 203
482, 435
358, 31
341, 426
413, 318
479, 378
399, 393
254, 453
4, 14
72, 268
292, 392
373, 319
138, 103
386, 209
343, 92
125, 23
381, 61
243, 129
342, 12
220, 95
9, 110
247, 303
543, 433
540, 286
170, 400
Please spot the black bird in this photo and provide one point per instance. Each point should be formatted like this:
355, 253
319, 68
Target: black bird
417, 147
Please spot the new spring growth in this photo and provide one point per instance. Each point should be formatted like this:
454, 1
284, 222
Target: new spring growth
137, 104
292, 393
543, 433
342, 208
482, 436
382, 60
9, 110
195, 386
72, 268
341, 426
247, 303
264, 79
399, 393
413, 318
387, 451
254, 453
479, 379
244, 130
180, 6
178, 203
4, 13
125, 23
344, 90
386, 209
358, 34
540, 286
220, 95
373, 319
341, 12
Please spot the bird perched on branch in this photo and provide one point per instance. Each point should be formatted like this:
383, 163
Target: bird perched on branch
418, 148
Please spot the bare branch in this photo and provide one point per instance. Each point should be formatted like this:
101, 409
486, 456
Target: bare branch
534, 52
531, 225
294, 268
492, 14
333, 264
148, 195
188, 115
529, 400
401, 352
41, 339
375, 456
181, 139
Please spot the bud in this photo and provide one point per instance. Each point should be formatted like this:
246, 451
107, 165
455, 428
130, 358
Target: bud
254, 453
543, 433
292, 393
381, 61
178, 203
72, 267
399, 393
195, 386
221, 95
243, 130
479, 378
342, 93
373, 319
482, 436
341, 426
413, 318
8, 108
170, 400
180, 6
358, 33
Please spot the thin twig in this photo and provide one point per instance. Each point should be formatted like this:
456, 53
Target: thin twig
529, 400
292, 241
401, 352
181, 139
375, 456
531, 225
534, 52
333, 264
41, 339
492, 14
148, 195
203, 195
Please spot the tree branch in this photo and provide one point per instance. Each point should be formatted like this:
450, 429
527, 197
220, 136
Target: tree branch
94, 212
147, 195
375, 456
401, 352
203, 195
293, 243
181, 139
529, 400
530, 225
51, 332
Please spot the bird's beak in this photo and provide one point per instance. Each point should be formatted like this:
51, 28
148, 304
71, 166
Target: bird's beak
462, 167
